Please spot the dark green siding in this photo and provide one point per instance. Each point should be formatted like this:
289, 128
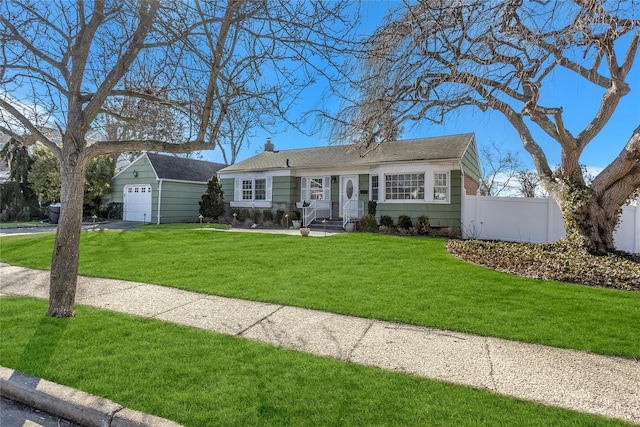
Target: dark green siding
285, 189
363, 184
227, 188
471, 163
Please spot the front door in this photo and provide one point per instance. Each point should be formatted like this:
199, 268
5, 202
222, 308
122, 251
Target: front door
349, 195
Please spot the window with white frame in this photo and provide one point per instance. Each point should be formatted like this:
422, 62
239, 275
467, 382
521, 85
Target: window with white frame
440, 186
404, 187
374, 187
260, 189
252, 192
315, 188
247, 189
254, 189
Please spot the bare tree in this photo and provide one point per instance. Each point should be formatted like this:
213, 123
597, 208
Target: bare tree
529, 183
75, 60
434, 57
499, 169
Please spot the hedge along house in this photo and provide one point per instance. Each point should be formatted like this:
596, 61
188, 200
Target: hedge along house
425, 176
160, 188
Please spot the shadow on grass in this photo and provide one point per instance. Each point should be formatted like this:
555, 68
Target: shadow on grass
42, 345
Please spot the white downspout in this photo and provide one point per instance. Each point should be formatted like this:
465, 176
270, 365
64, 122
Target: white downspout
463, 200
159, 199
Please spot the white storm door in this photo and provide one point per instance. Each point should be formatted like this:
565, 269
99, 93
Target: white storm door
349, 195
137, 203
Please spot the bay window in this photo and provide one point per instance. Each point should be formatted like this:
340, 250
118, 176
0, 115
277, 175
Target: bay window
404, 187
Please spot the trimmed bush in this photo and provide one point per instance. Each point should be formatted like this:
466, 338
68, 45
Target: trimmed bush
404, 221
423, 227
373, 207
113, 210
386, 220
385, 230
267, 215
402, 231
294, 216
368, 224
256, 216
279, 216
243, 214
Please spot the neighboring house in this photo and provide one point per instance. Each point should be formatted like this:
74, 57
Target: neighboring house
160, 188
4, 169
425, 176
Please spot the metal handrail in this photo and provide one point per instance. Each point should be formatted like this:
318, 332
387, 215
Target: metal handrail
309, 213
346, 214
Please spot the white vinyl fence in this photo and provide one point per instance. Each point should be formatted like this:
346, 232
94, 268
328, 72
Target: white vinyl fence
535, 220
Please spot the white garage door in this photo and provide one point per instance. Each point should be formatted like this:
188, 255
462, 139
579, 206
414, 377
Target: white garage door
137, 203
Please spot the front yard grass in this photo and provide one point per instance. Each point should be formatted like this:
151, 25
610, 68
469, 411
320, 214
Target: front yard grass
411, 280
199, 378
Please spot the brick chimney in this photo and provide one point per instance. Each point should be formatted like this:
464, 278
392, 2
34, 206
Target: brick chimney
269, 145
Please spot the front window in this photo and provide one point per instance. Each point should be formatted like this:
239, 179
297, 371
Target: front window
404, 187
374, 187
261, 189
315, 188
440, 187
247, 189
254, 189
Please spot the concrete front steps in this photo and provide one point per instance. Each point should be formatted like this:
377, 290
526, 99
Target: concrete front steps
329, 225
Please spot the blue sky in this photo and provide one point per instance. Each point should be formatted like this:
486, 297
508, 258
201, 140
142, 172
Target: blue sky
579, 99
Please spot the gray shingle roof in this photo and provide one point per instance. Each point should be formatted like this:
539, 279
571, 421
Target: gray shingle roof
181, 169
438, 148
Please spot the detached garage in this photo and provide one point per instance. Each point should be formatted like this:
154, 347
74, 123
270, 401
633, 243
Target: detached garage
159, 188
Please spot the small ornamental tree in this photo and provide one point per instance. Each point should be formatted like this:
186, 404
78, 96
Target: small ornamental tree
212, 204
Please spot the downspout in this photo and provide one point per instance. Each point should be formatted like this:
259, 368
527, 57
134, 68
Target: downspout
159, 199
463, 199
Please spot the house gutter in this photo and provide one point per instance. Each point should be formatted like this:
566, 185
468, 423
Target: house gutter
159, 199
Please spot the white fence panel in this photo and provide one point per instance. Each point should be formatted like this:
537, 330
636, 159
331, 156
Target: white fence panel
535, 220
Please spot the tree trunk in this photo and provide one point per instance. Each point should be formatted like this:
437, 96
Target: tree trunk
589, 224
64, 263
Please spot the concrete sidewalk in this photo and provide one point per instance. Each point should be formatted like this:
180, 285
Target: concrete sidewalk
608, 386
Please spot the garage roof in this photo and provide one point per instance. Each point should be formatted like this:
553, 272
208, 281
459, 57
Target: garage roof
182, 169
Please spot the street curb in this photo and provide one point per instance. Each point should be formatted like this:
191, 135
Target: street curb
74, 405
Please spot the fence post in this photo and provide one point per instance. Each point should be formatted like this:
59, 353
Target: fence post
550, 219
636, 227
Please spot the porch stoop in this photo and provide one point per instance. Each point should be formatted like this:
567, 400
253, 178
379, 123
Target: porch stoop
331, 225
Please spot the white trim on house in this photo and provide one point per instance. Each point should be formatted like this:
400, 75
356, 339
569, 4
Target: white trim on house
159, 200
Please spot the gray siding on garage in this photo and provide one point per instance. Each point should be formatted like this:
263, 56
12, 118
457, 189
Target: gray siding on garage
179, 201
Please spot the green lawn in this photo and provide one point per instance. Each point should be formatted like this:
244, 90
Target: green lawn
412, 280
23, 224
199, 378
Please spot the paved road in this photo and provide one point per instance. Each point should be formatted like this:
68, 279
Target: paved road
15, 414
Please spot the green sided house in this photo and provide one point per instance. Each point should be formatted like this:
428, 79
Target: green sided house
159, 188
425, 176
